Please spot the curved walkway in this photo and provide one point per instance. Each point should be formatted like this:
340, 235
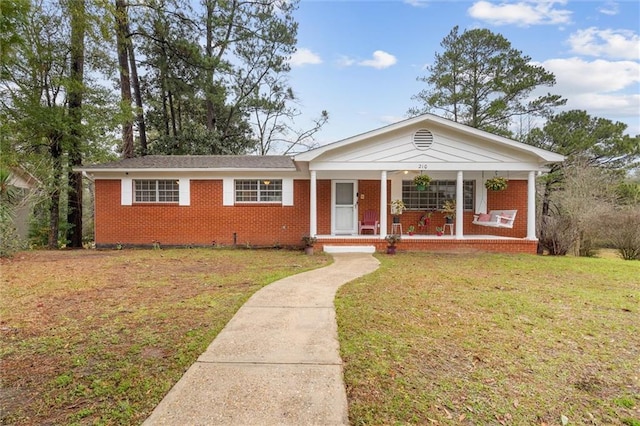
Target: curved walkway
276, 362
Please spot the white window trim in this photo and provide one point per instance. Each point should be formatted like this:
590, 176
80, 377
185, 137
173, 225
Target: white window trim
127, 191
184, 192
229, 190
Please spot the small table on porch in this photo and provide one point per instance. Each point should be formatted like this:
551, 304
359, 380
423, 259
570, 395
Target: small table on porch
396, 228
450, 225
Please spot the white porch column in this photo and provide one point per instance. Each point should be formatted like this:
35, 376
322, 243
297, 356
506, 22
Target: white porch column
459, 206
531, 206
313, 199
383, 204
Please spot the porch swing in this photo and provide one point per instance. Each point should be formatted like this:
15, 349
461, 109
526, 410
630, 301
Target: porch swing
495, 218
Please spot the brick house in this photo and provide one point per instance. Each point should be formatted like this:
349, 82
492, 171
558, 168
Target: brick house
325, 192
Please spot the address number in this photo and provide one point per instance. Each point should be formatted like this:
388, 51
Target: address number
422, 166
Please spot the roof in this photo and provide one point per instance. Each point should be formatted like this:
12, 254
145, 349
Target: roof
195, 163
425, 119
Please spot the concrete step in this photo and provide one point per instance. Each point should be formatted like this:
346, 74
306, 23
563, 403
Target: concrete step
349, 249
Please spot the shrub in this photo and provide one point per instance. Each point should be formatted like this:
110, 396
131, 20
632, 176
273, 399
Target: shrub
624, 234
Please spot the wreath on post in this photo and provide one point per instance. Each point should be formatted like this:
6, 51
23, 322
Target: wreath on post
497, 183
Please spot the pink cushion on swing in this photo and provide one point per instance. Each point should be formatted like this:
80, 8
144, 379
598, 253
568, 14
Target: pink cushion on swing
484, 217
505, 219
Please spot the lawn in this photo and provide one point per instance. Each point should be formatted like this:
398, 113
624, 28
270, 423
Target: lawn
488, 339
99, 337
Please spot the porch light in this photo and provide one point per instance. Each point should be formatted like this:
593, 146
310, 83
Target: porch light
406, 172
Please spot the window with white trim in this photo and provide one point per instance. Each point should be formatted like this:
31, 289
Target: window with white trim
156, 191
436, 194
258, 190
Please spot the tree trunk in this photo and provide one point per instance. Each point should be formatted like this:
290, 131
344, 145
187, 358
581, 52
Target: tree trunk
55, 149
125, 82
543, 219
74, 189
142, 128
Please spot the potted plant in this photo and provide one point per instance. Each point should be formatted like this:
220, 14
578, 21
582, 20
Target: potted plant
422, 181
497, 183
411, 230
449, 210
397, 207
424, 222
439, 231
309, 241
392, 240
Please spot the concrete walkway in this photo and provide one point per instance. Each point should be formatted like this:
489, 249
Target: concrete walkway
276, 362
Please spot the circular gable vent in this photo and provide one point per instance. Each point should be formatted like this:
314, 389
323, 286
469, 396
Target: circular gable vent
423, 139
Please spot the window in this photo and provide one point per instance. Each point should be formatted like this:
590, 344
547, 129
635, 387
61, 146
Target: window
258, 191
436, 194
156, 191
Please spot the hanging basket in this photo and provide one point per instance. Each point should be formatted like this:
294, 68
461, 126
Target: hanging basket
421, 182
497, 183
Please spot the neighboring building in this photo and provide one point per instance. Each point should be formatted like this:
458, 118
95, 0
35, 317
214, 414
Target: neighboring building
275, 200
28, 185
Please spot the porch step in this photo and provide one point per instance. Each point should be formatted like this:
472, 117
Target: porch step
349, 249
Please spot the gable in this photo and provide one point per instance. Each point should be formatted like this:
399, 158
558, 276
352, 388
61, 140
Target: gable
441, 145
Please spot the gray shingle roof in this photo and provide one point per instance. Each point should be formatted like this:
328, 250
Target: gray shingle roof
198, 162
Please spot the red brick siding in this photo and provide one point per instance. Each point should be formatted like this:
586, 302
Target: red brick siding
323, 194
206, 220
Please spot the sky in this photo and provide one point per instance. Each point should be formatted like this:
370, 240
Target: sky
359, 59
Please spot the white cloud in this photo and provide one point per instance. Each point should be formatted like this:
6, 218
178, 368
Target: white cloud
602, 88
380, 60
345, 61
523, 13
623, 44
609, 8
594, 76
304, 56
417, 3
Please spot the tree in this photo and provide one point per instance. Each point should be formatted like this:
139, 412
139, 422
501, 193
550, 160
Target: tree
207, 75
481, 81
587, 142
272, 117
122, 48
77, 11
42, 107
13, 15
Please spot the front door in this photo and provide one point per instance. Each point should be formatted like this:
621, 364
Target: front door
345, 207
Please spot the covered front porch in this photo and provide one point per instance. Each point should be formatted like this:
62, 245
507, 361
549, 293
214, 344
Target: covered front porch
362, 176
343, 203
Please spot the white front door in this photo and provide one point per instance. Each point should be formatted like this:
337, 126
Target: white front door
345, 207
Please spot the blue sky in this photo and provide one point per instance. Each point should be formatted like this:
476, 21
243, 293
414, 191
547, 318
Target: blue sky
359, 59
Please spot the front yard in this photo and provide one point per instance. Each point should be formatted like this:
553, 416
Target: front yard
98, 337
483, 339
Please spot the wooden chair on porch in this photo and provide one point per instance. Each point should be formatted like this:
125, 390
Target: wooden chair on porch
369, 222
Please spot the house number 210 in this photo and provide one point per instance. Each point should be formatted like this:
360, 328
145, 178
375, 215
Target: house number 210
422, 166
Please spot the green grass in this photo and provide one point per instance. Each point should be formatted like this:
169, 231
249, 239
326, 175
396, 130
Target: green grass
492, 339
99, 337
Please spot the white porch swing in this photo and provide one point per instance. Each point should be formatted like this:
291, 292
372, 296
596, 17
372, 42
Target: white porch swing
496, 218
